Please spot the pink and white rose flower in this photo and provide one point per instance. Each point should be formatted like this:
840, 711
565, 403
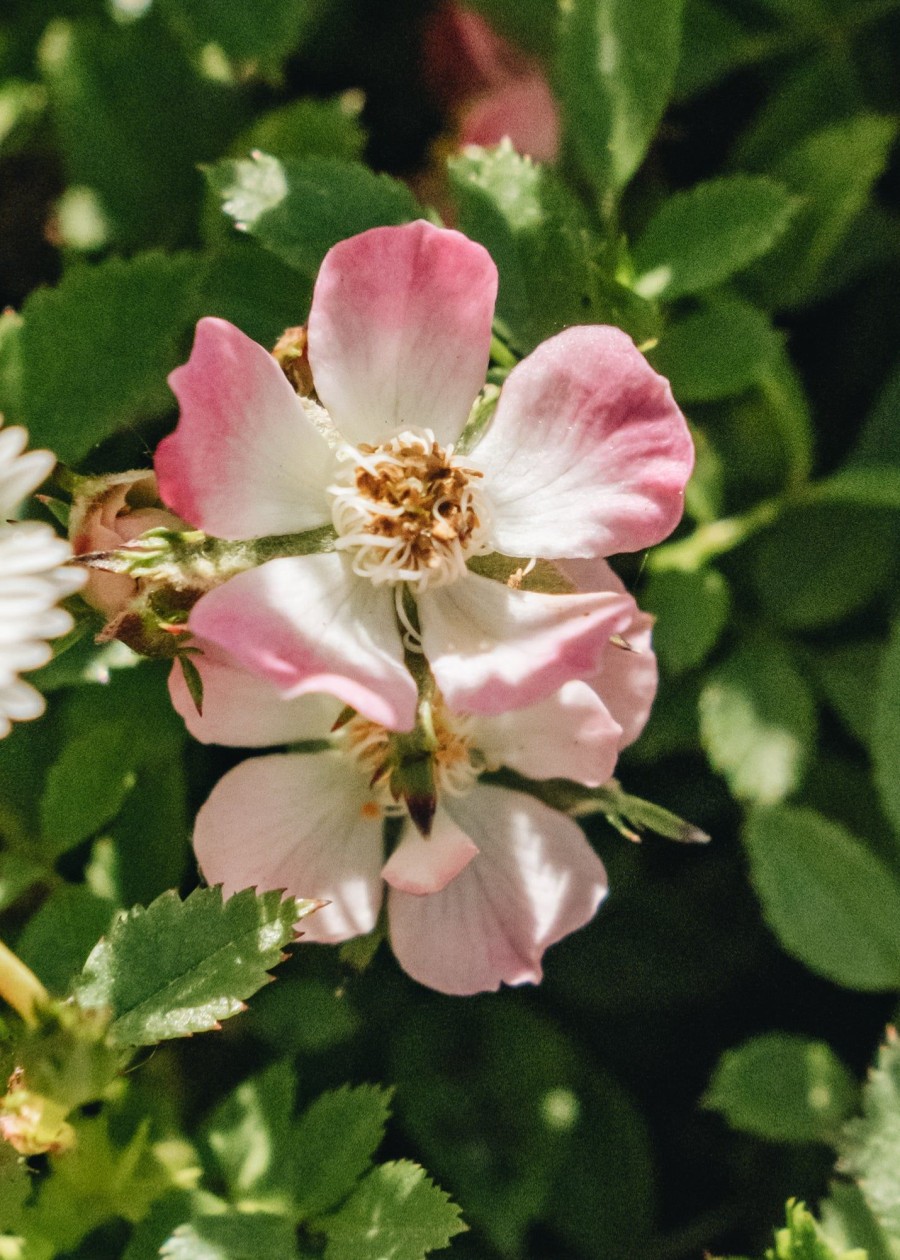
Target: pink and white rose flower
501, 875
586, 455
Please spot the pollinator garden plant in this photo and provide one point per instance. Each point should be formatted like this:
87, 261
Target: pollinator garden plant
449, 642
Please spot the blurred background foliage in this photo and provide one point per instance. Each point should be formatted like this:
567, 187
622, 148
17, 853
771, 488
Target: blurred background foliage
729, 195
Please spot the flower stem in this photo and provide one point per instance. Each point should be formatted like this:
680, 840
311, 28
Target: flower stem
19, 986
715, 539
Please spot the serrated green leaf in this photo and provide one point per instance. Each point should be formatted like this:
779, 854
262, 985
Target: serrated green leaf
117, 329
179, 967
233, 1236
758, 722
397, 1211
702, 237
870, 1149
713, 353
830, 901
247, 1137
333, 1144
782, 1087
833, 172
86, 786
885, 744
691, 609
538, 235
615, 72
300, 208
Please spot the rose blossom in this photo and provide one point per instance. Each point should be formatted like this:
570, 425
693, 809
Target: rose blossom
33, 580
495, 89
586, 455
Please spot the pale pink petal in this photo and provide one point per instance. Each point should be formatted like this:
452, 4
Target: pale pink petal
400, 331
492, 648
244, 710
626, 680
523, 110
301, 823
534, 880
569, 736
420, 866
308, 624
587, 453
244, 461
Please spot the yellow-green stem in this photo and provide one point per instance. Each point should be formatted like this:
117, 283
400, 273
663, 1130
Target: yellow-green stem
19, 986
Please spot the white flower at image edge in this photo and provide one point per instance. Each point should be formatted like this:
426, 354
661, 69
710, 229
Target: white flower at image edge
32, 580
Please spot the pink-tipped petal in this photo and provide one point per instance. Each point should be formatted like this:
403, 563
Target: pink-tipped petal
421, 866
569, 736
587, 453
535, 880
308, 624
400, 331
301, 823
243, 710
522, 110
626, 681
492, 648
244, 461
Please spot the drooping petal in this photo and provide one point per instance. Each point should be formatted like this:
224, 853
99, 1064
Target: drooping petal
308, 624
534, 880
571, 735
302, 823
243, 710
492, 648
587, 453
244, 461
400, 331
420, 866
626, 681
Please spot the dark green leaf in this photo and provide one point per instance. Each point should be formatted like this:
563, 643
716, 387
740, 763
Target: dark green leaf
820, 563
247, 1137
134, 118
300, 208
833, 172
886, 730
870, 1150
758, 722
307, 128
59, 937
179, 967
117, 329
396, 1212
784, 1088
333, 1145
848, 675
879, 441
530, 23
615, 73
233, 1236
702, 237
87, 786
538, 235
247, 32
691, 609
829, 900
718, 351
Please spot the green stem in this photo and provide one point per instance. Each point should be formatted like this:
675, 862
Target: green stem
716, 538
501, 353
19, 986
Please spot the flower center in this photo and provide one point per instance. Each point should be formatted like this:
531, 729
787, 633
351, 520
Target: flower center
382, 754
407, 511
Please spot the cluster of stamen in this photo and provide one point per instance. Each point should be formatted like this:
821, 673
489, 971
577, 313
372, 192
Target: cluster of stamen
447, 739
407, 511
